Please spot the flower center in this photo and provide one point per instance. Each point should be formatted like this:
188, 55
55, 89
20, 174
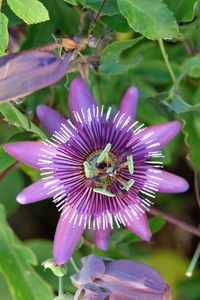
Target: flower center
102, 169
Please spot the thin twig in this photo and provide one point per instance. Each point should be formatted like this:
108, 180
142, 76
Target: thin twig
175, 221
7, 170
99, 12
196, 186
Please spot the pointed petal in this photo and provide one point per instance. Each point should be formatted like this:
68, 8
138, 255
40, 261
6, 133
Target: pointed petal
139, 226
66, 238
50, 118
159, 135
27, 152
33, 193
170, 183
129, 101
80, 97
102, 237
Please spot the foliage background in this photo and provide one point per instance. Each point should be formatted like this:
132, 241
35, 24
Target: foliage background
128, 34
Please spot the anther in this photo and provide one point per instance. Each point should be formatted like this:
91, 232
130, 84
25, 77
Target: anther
130, 164
104, 153
129, 184
88, 169
103, 192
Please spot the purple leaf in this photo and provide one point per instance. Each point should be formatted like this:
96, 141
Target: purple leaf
26, 72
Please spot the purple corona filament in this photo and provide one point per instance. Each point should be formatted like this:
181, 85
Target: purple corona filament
100, 170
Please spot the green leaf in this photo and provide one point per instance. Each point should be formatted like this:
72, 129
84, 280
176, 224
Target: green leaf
72, 2
116, 57
30, 11
179, 105
193, 67
189, 288
4, 291
117, 22
154, 20
16, 262
8, 196
184, 10
16, 118
5, 160
110, 8
191, 130
63, 19
3, 33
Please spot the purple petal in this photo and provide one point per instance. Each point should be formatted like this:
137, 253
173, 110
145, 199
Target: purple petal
93, 268
129, 101
66, 238
92, 292
139, 226
170, 183
80, 98
33, 193
26, 72
159, 135
102, 237
50, 118
27, 152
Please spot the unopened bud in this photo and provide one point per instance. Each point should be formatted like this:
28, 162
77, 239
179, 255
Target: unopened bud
58, 270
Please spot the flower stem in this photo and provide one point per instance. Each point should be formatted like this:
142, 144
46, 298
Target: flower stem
60, 287
74, 265
193, 262
175, 221
168, 65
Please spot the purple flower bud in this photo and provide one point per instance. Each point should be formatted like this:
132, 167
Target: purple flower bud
25, 72
122, 279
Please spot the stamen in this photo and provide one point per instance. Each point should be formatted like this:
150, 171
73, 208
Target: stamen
130, 164
88, 169
103, 154
129, 184
103, 192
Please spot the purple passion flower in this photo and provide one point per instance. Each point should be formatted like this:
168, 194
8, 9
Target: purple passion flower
103, 279
100, 170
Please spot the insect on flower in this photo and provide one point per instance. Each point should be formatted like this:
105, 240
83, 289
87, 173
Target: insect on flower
101, 170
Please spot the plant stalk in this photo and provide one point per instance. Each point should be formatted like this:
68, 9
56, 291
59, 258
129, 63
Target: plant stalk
74, 265
175, 221
60, 288
167, 62
193, 262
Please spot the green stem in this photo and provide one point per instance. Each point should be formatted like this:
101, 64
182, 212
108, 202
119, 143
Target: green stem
60, 287
74, 265
1, 4
168, 65
193, 261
